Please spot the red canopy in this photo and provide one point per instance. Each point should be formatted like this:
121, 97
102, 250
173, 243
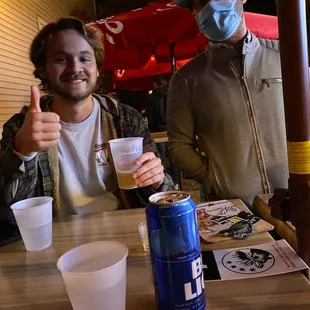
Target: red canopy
142, 79
151, 68
132, 37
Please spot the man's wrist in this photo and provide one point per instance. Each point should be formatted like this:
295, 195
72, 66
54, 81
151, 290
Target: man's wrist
18, 148
16, 145
23, 157
157, 185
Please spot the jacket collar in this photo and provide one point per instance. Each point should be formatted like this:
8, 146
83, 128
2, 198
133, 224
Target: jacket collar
224, 52
107, 103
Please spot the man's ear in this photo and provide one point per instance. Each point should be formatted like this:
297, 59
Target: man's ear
98, 73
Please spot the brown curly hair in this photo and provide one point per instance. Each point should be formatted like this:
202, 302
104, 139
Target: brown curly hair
39, 45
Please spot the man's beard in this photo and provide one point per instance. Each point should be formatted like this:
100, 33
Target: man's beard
67, 95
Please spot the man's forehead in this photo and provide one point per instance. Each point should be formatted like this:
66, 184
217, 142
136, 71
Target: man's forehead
68, 36
192, 4
68, 40
63, 51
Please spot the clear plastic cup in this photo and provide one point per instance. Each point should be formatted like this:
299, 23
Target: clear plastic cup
95, 275
34, 220
125, 151
144, 236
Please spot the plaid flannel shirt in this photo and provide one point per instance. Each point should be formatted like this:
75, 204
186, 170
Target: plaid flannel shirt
20, 180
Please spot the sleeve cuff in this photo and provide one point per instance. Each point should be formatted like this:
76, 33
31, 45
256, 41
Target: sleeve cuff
23, 157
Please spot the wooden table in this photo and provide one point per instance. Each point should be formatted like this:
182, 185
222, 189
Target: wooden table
284, 229
31, 281
159, 137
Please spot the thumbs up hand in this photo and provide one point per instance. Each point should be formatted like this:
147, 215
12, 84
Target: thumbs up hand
41, 130
34, 100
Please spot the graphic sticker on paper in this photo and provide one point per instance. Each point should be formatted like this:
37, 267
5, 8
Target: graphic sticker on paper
248, 261
209, 227
218, 208
101, 151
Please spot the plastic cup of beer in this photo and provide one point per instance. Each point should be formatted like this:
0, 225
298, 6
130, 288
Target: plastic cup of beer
144, 236
95, 275
34, 220
125, 151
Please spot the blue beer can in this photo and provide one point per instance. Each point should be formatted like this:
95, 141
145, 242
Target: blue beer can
175, 251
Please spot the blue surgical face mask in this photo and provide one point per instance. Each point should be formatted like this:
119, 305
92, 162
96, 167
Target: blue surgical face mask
219, 19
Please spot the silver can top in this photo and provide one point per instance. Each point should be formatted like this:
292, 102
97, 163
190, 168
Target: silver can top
169, 198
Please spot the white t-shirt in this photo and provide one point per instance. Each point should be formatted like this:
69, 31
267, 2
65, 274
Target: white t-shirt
86, 178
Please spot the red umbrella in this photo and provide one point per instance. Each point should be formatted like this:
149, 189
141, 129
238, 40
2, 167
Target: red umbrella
132, 37
142, 79
151, 68
145, 83
263, 26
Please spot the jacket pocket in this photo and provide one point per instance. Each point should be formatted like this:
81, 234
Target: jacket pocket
269, 81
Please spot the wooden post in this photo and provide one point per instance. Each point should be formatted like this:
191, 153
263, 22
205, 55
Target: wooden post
172, 58
295, 74
173, 64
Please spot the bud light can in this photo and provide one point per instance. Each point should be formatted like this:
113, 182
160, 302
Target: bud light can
175, 251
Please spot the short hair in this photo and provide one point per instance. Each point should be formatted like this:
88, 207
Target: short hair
39, 45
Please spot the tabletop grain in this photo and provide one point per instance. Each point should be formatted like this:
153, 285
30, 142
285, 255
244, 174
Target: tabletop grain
31, 281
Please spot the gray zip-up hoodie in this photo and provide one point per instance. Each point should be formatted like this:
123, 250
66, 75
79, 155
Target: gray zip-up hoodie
231, 107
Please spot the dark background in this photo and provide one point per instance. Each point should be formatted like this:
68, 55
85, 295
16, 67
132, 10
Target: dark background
107, 8
261, 6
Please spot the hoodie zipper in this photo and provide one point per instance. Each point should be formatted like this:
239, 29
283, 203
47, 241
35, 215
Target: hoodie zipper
249, 105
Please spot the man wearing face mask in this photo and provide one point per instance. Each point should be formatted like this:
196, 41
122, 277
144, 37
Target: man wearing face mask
228, 102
